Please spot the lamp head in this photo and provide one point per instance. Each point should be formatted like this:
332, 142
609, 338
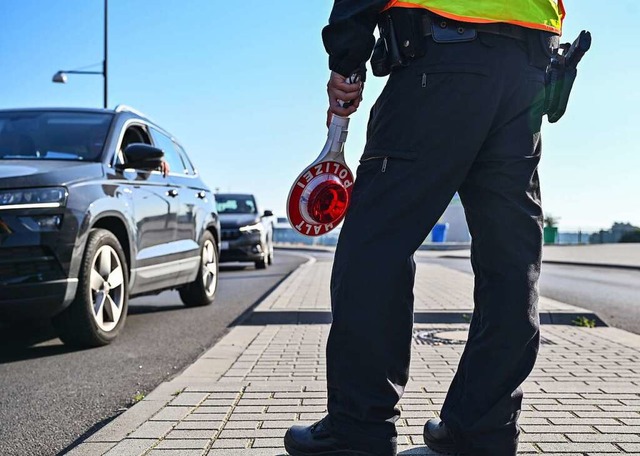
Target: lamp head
60, 77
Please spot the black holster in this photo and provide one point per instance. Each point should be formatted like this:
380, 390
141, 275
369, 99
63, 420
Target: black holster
559, 83
561, 74
401, 40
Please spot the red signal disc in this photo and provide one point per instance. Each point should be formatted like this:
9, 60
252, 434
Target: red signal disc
319, 198
328, 202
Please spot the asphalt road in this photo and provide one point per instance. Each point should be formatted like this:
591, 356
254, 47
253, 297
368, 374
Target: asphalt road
51, 395
613, 294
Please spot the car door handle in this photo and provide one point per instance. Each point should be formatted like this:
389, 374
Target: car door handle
172, 193
202, 195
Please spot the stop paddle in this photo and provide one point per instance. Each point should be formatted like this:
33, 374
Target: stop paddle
320, 195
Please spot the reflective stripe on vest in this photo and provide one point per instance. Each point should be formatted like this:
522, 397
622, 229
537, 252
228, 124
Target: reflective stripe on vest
537, 14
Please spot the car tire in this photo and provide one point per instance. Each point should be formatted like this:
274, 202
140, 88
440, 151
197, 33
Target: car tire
263, 262
202, 291
270, 259
97, 314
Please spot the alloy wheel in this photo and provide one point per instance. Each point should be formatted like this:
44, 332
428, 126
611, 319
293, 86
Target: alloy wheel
209, 268
107, 288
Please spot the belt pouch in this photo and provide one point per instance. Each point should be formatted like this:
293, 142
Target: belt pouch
448, 31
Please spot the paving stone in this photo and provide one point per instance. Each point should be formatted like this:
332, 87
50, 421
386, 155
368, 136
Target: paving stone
155, 452
535, 438
246, 424
268, 443
577, 447
231, 443
252, 452
223, 409
131, 447
619, 414
272, 401
91, 449
191, 434
187, 398
152, 430
199, 425
250, 433
619, 429
263, 416
613, 438
205, 417
183, 444
584, 421
172, 414
216, 401
282, 425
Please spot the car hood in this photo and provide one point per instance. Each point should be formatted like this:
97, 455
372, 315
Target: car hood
238, 220
42, 173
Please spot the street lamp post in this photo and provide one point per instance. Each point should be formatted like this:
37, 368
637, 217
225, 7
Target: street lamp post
61, 76
106, 54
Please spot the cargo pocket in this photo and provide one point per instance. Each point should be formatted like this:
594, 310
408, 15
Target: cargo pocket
416, 104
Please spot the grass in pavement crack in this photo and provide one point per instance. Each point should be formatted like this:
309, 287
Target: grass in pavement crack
584, 322
137, 398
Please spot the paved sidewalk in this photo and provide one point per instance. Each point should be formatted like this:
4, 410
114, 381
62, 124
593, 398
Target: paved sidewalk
583, 397
625, 256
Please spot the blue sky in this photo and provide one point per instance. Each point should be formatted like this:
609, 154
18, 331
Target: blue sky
242, 86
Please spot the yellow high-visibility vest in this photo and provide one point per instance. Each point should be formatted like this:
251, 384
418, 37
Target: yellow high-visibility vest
536, 14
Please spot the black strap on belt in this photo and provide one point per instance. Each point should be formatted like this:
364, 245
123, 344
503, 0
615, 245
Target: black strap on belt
429, 20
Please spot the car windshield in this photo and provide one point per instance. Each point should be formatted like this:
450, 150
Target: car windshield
51, 135
235, 204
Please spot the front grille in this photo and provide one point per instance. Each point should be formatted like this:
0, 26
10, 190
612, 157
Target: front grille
229, 234
28, 264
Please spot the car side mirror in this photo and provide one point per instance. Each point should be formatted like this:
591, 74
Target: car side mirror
267, 213
143, 156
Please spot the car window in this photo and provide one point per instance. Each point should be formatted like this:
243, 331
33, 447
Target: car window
133, 134
171, 155
235, 204
53, 135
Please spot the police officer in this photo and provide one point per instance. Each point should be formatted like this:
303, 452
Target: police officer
461, 112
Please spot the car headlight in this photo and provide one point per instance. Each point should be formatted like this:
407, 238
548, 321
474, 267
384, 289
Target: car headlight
255, 228
33, 198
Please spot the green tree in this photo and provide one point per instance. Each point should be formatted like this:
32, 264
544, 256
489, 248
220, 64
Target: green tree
551, 221
631, 236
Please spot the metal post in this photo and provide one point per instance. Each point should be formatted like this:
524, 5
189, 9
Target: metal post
105, 61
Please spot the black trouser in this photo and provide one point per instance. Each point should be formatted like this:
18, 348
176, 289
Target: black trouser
465, 117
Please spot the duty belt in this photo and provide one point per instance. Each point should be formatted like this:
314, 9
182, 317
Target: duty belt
402, 33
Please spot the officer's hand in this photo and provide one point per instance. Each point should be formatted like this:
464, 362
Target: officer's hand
338, 89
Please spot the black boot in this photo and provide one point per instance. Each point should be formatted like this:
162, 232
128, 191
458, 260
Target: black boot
439, 438
316, 440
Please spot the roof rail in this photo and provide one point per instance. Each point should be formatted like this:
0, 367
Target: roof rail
125, 108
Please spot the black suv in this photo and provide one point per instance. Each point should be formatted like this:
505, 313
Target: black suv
247, 233
97, 206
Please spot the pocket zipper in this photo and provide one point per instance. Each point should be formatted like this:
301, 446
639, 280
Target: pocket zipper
384, 161
424, 79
